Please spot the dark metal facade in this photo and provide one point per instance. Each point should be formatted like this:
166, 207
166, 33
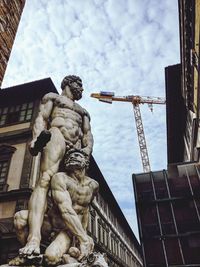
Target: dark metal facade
176, 114
168, 210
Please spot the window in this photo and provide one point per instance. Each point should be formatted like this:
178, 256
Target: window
108, 239
100, 232
93, 227
6, 152
17, 113
3, 171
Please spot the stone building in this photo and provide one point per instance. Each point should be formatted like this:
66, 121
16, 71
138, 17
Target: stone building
183, 87
10, 14
19, 172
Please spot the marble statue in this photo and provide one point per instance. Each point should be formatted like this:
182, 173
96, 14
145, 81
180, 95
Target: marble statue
68, 126
62, 134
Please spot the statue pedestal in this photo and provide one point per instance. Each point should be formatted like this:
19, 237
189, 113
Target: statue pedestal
93, 259
63, 265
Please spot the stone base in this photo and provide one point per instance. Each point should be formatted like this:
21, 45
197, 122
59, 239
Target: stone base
93, 259
63, 265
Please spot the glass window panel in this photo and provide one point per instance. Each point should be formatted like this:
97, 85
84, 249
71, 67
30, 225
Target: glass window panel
195, 182
191, 247
2, 121
166, 218
3, 117
160, 185
144, 187
12, 117
12, 109
149, 221
22, 112
5, 110
173, 251
3, 171
179, 187
28, 117
186, 216
22, 118
29, 111
24, 106
17, 108
2, 180
30, 105
16, 113
154, 253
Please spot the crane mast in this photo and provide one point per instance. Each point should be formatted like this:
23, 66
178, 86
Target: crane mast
108, 97
141, 139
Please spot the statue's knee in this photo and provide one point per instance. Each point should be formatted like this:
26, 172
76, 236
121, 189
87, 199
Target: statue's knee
52, 256
44, 180
20, 219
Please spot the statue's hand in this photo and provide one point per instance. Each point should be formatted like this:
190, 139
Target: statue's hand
69, 145
32, 148
86, 248
38, 144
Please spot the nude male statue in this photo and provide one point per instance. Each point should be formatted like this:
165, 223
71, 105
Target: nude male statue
67, 125
72, 192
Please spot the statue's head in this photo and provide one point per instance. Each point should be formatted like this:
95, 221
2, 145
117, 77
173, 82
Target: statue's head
76, 159
96, 259
75, 85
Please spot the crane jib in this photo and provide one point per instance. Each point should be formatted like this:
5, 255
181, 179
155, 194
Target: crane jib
103, 93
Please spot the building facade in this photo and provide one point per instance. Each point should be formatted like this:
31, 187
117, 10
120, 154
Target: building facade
189, 21
10, 14
167, 201
168, 210
19, 172
183, 88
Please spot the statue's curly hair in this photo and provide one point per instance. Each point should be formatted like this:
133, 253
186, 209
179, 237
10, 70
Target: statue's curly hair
69, 79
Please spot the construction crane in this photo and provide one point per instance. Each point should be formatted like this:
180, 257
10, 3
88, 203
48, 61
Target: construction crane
109, 97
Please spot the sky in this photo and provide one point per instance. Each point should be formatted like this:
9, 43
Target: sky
122, 46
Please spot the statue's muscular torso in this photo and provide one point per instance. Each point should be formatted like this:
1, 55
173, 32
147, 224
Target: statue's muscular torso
68, 116
81, 195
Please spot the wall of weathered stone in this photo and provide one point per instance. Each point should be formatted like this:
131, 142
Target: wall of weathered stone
10, 14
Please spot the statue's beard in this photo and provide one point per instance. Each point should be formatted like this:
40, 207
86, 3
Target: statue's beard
77, 94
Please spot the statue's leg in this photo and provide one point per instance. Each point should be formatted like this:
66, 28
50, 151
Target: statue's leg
50, 160
21, 229
21, 225
60, 245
